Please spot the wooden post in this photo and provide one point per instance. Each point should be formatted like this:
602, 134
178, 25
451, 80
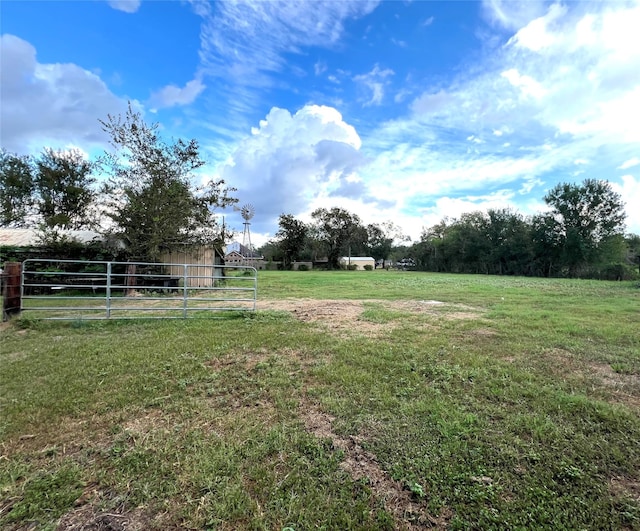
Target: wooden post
131, 280
11, 279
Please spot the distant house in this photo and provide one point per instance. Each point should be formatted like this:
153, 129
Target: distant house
240, 255
358, 261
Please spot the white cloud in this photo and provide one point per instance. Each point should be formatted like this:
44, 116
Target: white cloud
635, 161
49, 104
629, 189
527, 85
374, 82
245, 45
128, 6
433, 103
172, 95
512, 14
428, 21
537, 35
291, 160
319, 68
248, 40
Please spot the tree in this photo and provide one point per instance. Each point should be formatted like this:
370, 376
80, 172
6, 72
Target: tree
380, 239
587, 215
510, 249
16, 189
64, 189
151, 196
633, 250
337, 229
291, 238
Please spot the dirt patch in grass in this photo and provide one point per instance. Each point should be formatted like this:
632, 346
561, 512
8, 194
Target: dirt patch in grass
625, 388
621, 388
345, 316
86, 516
408, 512
625, 488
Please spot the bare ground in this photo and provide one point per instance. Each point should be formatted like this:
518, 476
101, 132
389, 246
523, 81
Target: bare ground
408, 512
345, 316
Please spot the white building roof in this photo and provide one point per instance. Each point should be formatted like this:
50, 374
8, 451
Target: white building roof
357, 258
30, 237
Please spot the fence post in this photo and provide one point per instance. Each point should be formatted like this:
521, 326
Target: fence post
11, 293
185, 292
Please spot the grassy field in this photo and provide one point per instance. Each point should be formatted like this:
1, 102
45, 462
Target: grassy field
349, 400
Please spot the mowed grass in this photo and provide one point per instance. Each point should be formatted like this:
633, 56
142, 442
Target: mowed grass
448, 401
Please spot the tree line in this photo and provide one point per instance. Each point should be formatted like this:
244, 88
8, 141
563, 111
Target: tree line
147, 201
332, 234
582, 235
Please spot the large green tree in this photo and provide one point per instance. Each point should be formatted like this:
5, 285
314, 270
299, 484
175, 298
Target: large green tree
510, 250
152, 195
587, 214
64, 188
291, 238
16, 189
337, 229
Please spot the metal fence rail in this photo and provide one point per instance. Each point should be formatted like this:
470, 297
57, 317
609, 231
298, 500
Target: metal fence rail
68, 289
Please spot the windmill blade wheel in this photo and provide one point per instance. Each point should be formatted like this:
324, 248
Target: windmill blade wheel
247, 212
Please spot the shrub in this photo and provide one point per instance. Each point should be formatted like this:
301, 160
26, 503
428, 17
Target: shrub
303, 267
352, 267
368, 267
618, 272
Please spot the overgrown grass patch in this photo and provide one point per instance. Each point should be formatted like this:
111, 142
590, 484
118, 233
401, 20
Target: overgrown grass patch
513, 404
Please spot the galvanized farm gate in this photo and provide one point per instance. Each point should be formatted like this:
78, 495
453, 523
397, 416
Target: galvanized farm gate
68, 289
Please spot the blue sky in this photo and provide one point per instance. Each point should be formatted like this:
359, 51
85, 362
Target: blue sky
401, 111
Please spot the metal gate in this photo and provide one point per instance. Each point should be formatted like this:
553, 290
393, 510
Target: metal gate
68, 289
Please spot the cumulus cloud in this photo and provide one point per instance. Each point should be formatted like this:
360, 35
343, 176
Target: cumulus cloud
171, 95
290, 160
128, 6
49, 104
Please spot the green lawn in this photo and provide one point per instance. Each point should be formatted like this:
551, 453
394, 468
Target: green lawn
351, 400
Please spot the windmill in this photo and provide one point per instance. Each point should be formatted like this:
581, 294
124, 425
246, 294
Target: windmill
247, 212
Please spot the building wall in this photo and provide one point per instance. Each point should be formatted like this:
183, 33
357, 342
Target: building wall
359, 261
202, 265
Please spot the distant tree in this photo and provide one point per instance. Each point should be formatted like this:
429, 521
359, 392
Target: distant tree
64, 189
270, 251
337, 229
291, 237
633, 250
151, 195
510, 248
381, 238
429, 253
16, 189
547, 241
467, 248
587, 215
